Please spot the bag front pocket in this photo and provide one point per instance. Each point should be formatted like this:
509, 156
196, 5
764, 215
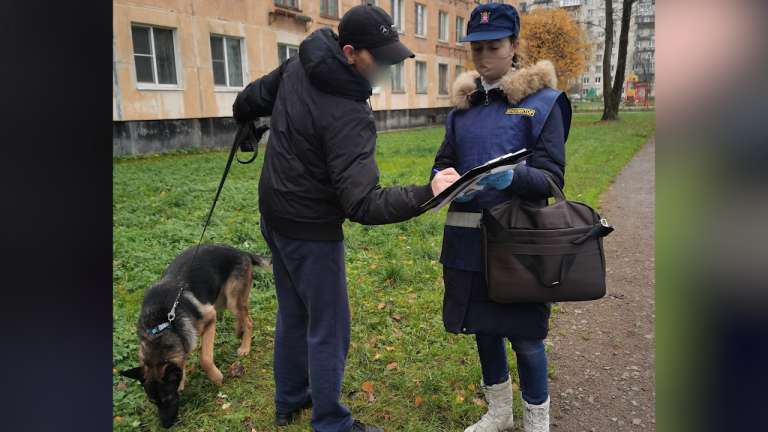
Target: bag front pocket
518, 272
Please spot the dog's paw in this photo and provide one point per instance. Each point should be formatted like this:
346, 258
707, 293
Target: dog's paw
217, 378
243, 351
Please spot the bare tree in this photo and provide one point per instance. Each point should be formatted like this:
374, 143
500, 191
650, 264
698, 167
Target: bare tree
612, 93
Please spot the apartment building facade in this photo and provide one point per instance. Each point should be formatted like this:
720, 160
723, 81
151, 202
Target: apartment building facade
178, 64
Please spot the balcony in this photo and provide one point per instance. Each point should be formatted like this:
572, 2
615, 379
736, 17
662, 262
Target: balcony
645, 19
281, 11
570, 3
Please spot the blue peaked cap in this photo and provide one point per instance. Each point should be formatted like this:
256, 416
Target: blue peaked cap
492, 21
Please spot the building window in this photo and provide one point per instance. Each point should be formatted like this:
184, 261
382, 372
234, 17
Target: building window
154, 55
421, 20
285, 51
442, 22
329, 8
459, 70
442, 79
227, 59
398, 81
421, 77
459, 29
599, 57
370, 2
397, 8
597, 80
585, 80
291, 4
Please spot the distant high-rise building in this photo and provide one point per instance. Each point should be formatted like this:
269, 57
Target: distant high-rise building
644, 59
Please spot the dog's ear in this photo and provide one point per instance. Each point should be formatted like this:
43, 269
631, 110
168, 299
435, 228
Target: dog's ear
136, 373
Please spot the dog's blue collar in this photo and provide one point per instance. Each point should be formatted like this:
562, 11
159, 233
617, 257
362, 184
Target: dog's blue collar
158, 328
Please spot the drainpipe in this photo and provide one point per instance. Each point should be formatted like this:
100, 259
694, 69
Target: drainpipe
115, 83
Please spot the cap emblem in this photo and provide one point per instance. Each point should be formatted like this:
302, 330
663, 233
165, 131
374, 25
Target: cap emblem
387, 30
484, 17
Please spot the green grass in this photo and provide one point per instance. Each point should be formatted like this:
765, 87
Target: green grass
395, 285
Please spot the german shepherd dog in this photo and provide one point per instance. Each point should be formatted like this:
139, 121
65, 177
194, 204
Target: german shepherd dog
217, 277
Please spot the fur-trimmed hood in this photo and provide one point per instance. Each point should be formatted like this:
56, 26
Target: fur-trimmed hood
516, 84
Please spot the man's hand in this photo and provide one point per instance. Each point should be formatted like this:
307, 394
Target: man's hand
443, 179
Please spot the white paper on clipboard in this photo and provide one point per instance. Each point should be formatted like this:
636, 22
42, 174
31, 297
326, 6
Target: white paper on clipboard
469, 180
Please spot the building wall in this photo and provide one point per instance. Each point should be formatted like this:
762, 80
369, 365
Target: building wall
193, 21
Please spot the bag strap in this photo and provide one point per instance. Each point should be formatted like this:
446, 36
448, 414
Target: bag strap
555, 189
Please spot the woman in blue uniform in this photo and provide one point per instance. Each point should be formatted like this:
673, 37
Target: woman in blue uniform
501, 107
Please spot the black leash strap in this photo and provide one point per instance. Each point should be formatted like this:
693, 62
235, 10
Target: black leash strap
247, 139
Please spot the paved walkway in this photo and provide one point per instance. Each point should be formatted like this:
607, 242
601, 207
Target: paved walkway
603, 351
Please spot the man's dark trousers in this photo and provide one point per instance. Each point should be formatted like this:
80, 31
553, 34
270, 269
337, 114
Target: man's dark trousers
312, 330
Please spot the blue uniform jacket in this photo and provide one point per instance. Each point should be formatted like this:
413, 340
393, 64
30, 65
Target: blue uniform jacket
525, 112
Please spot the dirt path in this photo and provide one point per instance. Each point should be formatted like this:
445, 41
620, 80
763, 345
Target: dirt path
603, 351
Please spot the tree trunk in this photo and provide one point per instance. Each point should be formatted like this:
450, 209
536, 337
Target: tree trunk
612, 94
607, 51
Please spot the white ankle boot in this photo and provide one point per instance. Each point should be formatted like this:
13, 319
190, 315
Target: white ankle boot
499, 415
536, 417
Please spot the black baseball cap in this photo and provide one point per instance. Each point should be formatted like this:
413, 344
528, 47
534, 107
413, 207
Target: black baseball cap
370, 27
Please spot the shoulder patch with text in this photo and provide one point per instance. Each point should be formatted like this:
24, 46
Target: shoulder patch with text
530, 112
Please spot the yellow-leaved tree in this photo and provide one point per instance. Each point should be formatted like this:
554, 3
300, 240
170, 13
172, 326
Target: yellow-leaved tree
553, 35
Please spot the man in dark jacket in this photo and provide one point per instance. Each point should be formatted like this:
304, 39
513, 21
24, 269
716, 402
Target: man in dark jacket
319, 170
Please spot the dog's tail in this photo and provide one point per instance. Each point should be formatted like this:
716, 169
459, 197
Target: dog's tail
261, 261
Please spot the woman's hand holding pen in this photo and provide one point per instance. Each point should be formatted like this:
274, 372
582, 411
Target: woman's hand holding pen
443, 179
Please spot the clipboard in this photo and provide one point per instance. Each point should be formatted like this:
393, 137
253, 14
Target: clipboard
471, 177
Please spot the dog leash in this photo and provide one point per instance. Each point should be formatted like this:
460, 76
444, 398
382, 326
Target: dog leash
246, 139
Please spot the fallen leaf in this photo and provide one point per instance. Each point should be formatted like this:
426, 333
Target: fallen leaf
377, 356
478, 402
122, 386
396, 317
226, 406
236, 370
460, 396
368, 389
418, 401
381, 306
389, 348
472, 387
392, 365
117, 419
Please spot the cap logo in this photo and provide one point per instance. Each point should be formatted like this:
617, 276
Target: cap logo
484, 17
386, 30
